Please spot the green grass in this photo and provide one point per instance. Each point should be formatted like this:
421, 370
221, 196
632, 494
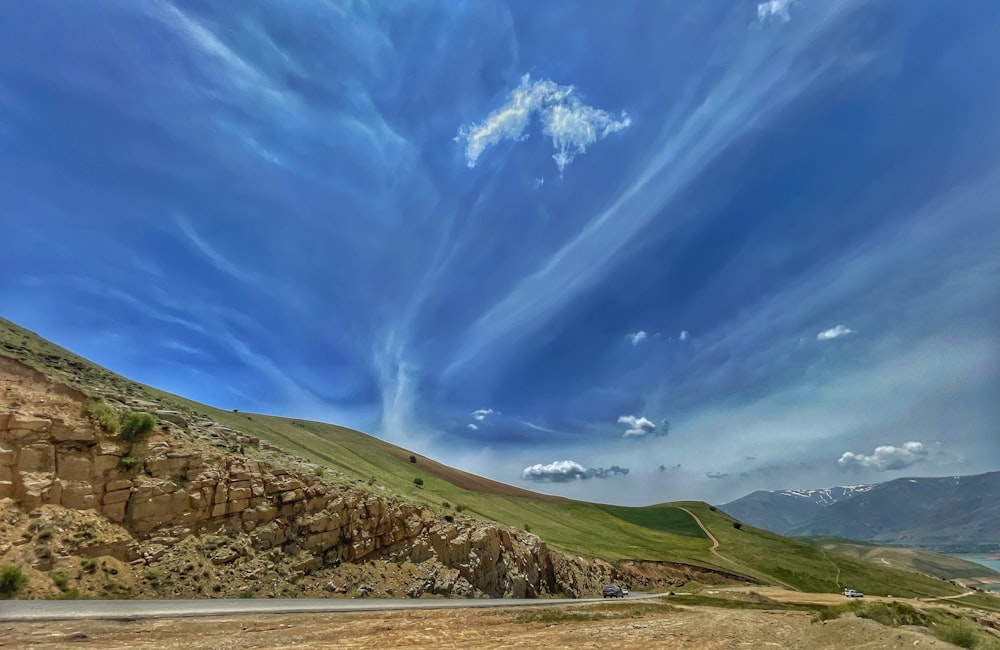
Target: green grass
738, 600
597, 612
663, 518
935, 564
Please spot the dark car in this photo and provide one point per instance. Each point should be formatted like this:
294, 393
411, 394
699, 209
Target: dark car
613, 591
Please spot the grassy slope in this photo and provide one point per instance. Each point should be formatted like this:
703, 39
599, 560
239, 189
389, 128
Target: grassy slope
809, 567
659, 532
935, 564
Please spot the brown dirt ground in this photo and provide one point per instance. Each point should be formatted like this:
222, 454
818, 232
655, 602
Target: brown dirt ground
707, 628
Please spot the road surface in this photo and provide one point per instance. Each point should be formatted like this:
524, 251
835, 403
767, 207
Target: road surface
58, 610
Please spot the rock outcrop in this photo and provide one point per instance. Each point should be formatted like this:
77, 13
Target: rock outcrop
165, 488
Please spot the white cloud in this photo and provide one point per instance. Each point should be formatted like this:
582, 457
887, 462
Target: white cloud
685, 335
774, 10
637, 426
834, 332
887, 457
563, 471
480, 414
637, 337
472, 426
569, 123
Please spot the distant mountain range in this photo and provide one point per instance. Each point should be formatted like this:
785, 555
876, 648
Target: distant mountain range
950, 514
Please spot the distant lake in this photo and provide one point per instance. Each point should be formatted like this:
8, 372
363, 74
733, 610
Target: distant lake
991, 561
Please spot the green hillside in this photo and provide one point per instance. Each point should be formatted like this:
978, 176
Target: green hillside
934, 564
663, 532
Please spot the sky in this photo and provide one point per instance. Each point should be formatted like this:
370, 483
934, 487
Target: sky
624, 252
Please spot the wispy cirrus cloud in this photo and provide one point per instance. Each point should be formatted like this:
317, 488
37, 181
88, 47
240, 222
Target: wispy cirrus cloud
834, 333
565, 471
480, 414
887, 457
774, 11
566, 120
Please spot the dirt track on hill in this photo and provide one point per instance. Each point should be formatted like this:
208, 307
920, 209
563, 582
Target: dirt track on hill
699, 627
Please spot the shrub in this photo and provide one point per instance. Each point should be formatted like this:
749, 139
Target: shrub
413, 459
128, 462
99, 411
61, 580
135, 425
89, 565
445, 504
459, 507
12, 580
737, 525
962, 633
419, 482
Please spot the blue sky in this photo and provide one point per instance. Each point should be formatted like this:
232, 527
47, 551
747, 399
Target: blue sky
724, 245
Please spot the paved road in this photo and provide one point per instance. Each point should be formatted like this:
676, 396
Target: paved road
54, 610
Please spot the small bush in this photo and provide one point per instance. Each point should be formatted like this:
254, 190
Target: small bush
136, 425
419, 482
128, 462
737, 525
413, 459
61, 580
88, 565
445, 504
449, 518
893, 614
100, 412
961, 632
12, 580
459, 507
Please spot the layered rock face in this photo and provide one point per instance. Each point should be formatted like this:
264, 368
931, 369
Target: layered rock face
163, 489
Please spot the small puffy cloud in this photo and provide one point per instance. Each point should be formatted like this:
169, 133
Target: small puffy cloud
774, 11
568, 122
716, 475
472, 426
637, 337
637, 426
480, 414
685, 335
887, 457
565, 471
834, 332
